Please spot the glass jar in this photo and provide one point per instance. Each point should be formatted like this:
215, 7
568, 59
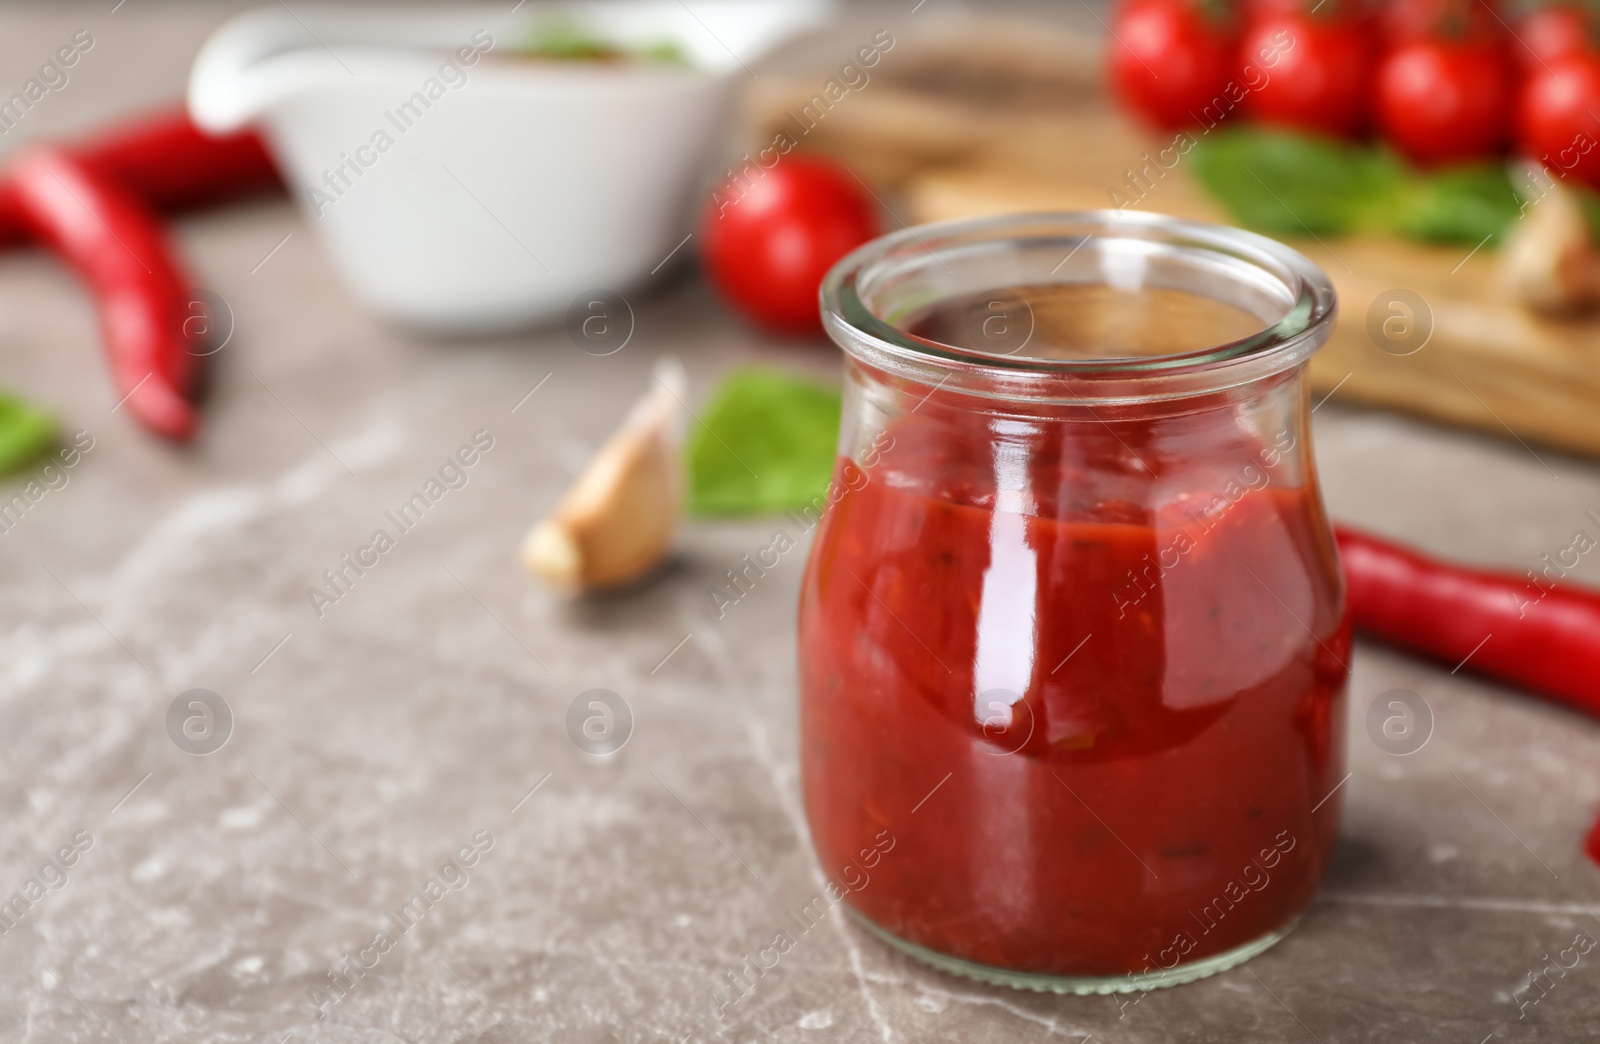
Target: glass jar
1073, 647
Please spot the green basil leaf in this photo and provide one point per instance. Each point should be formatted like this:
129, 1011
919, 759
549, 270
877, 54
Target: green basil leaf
565, 41
1287, 183
765, 444
1290, 184
1459, 205
26, 433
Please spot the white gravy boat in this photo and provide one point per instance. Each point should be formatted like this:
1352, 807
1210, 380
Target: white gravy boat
461, 188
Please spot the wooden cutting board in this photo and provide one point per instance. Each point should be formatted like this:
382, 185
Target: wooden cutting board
987, 117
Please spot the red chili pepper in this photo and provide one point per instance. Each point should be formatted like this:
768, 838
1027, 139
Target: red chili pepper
119, 248
166, 161
1540, 636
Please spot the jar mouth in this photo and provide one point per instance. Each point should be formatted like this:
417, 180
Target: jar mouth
872, 298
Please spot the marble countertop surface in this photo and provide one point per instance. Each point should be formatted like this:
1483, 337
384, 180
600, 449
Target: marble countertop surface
425, 710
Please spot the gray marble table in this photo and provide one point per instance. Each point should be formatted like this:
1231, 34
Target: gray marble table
424, 711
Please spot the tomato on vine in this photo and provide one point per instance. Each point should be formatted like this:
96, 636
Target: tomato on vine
1321, 80
1556, 121
1444, 99
1170, 59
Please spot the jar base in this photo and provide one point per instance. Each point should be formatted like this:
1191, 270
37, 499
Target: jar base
1082, 985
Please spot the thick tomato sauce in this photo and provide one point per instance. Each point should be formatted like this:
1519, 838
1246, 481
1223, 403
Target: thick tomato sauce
1102, 732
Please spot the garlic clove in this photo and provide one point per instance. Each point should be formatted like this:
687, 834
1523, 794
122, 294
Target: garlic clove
1550, 261
618, 520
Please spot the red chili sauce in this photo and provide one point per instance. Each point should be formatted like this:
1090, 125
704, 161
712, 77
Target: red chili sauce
1172, 624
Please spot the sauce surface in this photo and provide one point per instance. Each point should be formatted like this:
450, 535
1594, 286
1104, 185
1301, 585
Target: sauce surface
1082, 321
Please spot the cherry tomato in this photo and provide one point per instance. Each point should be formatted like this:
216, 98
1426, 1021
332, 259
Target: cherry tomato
1170, 59
1556, 124
1442, 100
1321, 80
769, 240
1551, 32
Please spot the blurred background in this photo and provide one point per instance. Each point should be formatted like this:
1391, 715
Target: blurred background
275, 278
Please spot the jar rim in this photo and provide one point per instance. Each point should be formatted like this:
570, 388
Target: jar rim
1286, 342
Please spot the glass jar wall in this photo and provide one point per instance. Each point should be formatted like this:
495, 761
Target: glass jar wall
1072, 636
